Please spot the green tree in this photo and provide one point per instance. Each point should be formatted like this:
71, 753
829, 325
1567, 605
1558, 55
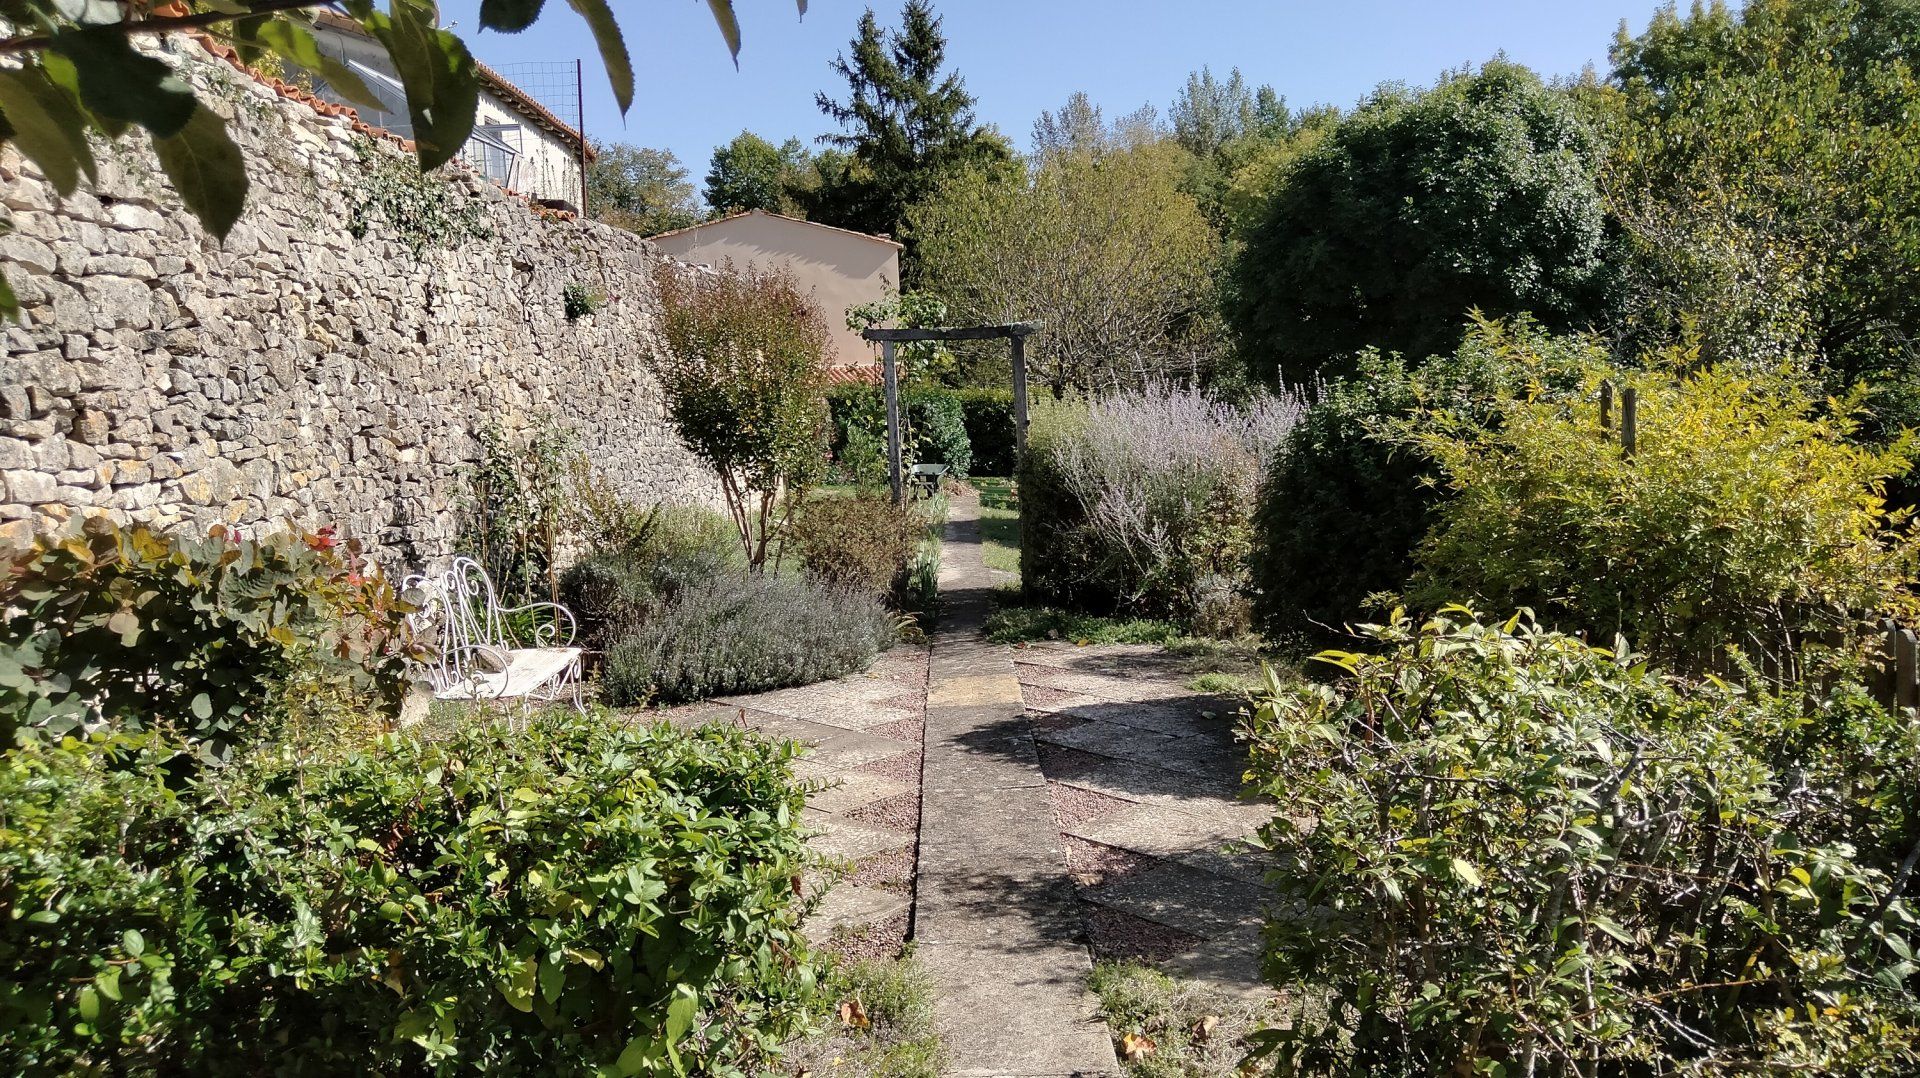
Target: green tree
1101, 245
75, 73
1767, 170
640, 189
750, 173
1478, 193
905, 124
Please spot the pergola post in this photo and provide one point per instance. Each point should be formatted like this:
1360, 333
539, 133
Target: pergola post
1019, 341
894, 465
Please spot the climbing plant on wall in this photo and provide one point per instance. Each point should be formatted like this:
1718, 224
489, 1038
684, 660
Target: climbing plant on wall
79, 73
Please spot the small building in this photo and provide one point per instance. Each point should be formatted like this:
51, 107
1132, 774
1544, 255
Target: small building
517, 142
840, 267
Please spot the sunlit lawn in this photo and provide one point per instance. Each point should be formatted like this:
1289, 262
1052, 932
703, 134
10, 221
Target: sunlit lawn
999, 523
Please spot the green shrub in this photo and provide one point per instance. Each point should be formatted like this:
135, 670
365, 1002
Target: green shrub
864, 543
584, 895
1344, 504
1746, 517
938, 424
723, 633
1144, 504
1508, 851
230, 640
612, 589
988, 414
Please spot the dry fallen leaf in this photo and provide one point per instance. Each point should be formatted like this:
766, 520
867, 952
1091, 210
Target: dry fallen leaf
1136, 1046
853, 1015
1204, 1027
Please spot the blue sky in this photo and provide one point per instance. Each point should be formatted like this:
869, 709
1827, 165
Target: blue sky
1021, 56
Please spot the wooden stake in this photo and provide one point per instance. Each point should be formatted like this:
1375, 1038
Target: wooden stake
1606, 409
1629, 421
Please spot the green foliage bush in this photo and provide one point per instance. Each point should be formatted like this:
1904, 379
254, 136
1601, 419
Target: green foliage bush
1511, 852
226, 639
988, 414
935, 429
1345, 503
583, 897
863, 543
724, 633
1746, 517
1479, 193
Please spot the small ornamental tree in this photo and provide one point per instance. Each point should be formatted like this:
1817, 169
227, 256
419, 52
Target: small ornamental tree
745, 375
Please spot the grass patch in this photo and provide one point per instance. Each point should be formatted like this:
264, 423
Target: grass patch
999, 524
875, 1018
1176, 1029
1222, 683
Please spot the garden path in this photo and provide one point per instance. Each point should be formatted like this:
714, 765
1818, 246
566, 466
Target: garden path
1005, 807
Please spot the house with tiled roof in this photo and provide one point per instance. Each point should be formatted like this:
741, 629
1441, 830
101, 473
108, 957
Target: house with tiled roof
840, 267
517, 142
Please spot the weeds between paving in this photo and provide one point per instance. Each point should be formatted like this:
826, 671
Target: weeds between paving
875, 1019
1164, 1027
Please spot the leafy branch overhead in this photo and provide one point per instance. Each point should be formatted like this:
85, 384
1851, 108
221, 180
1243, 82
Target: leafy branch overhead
80, 73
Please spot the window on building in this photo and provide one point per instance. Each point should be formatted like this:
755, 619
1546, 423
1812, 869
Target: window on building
494, 149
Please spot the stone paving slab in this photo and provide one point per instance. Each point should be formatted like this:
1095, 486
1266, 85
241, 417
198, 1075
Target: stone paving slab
1008, 1016
1104, 686
1201, 757
1229, 963
850, 906
1200, 842
852, 840
847, 790
1173, 720
995, 922
1212, 798
851, 748
1185, 898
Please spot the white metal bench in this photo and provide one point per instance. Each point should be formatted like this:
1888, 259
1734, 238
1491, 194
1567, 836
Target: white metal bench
479, 656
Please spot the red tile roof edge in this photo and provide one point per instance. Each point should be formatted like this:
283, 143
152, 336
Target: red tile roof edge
327, 108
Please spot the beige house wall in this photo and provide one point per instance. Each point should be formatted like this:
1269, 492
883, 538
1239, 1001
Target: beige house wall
840, 268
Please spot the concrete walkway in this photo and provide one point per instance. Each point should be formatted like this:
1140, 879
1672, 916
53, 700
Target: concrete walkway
996, 922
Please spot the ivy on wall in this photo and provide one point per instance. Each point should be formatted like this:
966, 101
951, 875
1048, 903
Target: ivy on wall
414, 207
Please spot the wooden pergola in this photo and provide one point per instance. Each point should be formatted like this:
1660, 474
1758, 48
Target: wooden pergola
1015, 333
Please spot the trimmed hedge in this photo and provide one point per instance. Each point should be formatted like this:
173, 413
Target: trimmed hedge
864, 543
583, 895
939, 430
990, 431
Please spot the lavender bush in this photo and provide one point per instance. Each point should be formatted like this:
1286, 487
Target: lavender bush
1145, 499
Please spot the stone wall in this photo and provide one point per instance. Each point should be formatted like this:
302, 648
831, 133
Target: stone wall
299, 372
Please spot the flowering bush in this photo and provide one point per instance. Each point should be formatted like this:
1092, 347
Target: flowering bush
725, 632
225, 638
1747, 515
1141, 502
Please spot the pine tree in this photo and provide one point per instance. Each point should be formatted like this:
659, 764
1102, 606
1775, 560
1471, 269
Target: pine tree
905, 125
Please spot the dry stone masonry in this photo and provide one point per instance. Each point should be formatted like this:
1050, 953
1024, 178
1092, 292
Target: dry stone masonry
324, 364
